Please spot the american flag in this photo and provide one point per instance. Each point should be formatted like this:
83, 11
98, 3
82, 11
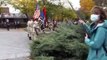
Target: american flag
37, 12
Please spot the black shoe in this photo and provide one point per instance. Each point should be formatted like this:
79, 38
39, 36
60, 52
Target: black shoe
30, 38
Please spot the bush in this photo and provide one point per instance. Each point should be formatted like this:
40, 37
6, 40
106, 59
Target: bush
44, 58
66, 42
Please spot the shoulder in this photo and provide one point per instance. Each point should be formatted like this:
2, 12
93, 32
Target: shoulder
28, 22
101, 29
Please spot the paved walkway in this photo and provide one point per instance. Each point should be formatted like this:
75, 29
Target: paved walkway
14, 45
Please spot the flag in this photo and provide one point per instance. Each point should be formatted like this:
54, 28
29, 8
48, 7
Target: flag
44, 11
37, 12
42, 17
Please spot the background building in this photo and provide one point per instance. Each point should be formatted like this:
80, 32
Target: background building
14, 18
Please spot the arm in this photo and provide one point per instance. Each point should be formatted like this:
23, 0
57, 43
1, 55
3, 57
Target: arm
27, 23
87, 29
98, 40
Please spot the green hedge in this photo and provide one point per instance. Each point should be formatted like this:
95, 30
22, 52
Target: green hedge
44, 58
66, 42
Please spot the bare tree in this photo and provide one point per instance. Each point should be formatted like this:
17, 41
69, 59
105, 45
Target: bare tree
102, 3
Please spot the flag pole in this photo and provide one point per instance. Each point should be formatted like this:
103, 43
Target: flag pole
79, 18
74, 9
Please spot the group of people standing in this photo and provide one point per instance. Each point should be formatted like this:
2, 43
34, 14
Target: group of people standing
9, 24
35, 26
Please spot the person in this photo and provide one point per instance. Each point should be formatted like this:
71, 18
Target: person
50, 25
18, 24
54, 24
36, 26
7, 24
15, 24
30, 28
41, 24
96, 35
75, 22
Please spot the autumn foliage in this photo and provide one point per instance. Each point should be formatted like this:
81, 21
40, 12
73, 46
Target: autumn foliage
86, 5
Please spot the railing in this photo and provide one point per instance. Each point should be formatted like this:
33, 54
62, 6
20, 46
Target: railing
12, 16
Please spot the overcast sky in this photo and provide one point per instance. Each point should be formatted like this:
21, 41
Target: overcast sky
75, 3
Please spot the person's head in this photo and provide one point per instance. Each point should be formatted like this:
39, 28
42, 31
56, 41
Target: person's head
36, 19
98, 14
30, 19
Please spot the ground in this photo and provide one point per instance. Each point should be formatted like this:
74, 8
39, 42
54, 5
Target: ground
14, 45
